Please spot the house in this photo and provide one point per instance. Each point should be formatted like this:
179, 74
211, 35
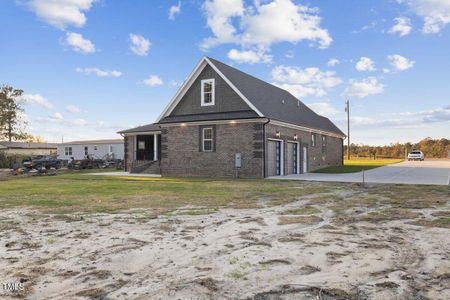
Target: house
26, 148
224, 122
103, 149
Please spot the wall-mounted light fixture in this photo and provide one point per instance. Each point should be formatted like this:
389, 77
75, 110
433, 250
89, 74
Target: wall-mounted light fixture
295, 137
183, 124
278, 134
232, 122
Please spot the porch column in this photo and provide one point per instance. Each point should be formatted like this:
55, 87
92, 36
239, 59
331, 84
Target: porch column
155, 147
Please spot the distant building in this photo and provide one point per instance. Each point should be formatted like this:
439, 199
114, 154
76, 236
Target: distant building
112, 149
26, 148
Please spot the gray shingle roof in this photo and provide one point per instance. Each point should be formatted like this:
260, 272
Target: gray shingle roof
94, 142
144, 128
274, 102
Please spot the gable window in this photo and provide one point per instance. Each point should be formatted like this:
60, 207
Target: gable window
207, 139
313, 139
324, 143
208, 92
68, 151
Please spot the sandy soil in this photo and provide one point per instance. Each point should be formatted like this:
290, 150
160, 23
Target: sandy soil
229, 254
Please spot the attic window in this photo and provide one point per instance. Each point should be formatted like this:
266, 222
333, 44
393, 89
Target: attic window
208, 92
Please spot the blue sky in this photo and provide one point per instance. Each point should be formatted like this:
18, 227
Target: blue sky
90, 68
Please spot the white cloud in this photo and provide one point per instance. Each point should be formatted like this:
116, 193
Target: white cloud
79, 43
323, 108
174, 10
402, 26
249, 56
153, 80
58, 118
262, 24
364, 88
435, 13
332, 62
73, 109
98, 72
139, 44
289, 54
35, 99
400, 63
61, 13
405, 119
365, 64
305, 82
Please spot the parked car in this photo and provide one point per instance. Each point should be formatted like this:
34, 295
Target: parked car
416, 155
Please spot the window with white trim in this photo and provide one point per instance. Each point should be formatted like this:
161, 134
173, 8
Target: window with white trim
324, 143
68, 151
207, 139
208, 92
313, 139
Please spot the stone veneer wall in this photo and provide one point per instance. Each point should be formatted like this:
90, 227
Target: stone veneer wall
317, 159
181, 155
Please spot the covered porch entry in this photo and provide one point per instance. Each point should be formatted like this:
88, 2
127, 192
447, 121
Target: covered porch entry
143, 152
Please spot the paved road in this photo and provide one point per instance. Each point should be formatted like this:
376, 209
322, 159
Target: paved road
413, 172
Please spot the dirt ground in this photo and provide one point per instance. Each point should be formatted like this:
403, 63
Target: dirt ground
341, 245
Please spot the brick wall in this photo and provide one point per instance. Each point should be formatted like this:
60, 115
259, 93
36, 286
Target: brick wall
181, 155
317, 159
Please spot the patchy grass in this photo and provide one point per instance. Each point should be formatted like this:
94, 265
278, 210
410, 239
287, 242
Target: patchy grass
357, 165
305, 210
309, 220
439, 222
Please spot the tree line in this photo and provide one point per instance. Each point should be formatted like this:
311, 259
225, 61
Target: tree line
432, 148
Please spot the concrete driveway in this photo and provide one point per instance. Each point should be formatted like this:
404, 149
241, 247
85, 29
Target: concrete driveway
435, 172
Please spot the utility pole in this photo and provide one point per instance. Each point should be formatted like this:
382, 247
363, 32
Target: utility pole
347, 110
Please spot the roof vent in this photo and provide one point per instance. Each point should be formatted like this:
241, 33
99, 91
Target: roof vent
298, 103
282, 101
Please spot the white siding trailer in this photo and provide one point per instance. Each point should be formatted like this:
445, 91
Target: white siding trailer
102, 149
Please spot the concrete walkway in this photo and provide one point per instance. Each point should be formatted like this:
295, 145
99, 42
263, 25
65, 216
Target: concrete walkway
434, 172
124, 174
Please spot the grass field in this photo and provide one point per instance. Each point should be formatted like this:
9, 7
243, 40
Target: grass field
84, 193
357, 165
79, 192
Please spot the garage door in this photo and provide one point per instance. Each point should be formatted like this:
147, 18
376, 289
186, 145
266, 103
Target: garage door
274, 158
292, 158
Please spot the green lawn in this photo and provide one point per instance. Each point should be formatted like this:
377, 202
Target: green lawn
78, 192
82, 193
357, 165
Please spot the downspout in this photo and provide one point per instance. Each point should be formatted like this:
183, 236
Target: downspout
264, 147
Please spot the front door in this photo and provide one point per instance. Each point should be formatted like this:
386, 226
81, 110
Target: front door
144, 147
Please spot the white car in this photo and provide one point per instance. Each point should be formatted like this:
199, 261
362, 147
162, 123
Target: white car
416, 155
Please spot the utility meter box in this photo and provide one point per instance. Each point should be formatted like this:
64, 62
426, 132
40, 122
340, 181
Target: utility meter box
238, 160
